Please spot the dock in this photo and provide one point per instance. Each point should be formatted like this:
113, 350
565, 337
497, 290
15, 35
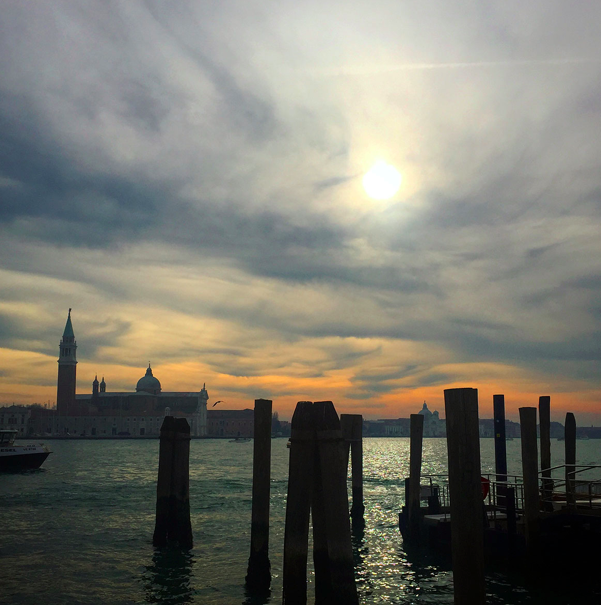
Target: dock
543, 522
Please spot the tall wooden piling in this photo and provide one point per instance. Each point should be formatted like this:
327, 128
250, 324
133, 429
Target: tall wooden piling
352, 433
570, 457
259, 568
173, 485
416, 434
467, 533
500, 438
346, 426
317, 482
298, 504
164, 481
336, 581
500, 448
530, 475
544, 414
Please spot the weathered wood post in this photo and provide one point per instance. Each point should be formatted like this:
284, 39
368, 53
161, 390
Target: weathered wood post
333, 551
500, 448
570, 457
259, 568
352, 433
346, 426
317, 483
298, 504
164, 481
358, 508
173, 485
416, 434
530, 475
181, 483
467, 527
544, 414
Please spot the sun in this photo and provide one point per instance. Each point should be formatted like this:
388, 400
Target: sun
382, 181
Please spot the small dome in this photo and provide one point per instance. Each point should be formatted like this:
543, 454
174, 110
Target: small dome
425, 411
149, 383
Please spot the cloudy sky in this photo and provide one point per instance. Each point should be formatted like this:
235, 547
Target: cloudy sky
188, 177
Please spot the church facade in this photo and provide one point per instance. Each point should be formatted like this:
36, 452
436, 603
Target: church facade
105, 413
433, 425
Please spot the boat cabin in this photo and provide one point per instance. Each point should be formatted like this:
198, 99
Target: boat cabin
7, 436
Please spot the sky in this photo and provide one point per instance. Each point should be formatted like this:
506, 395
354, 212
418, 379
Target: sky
187, 176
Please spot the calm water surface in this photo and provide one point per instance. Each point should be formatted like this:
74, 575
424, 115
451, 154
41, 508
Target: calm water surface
79, 530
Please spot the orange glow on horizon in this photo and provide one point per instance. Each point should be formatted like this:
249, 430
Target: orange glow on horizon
287, 390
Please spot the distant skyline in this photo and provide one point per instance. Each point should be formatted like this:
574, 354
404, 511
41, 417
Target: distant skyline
188, 178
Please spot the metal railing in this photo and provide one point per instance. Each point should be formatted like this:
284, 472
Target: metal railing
568, 488
560, 487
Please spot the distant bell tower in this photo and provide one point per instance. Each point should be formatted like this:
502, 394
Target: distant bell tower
67, 362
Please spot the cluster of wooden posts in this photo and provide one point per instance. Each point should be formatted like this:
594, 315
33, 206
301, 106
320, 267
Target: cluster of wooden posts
468, 515
320, 446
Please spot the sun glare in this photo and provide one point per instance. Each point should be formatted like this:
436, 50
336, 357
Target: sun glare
382, 181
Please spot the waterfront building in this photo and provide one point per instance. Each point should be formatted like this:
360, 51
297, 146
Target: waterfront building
433, 425
104, 413
147, 401
15, 417
230, 423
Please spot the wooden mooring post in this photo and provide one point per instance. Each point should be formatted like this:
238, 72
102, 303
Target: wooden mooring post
173, 485
258, 576
352, 432
467, 526
544, 415
317, 483
298, 504
530, 475
570, 457
510, 507
500, 448
416, 434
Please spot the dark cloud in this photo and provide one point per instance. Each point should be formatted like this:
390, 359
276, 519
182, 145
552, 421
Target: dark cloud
332, 182
9, 329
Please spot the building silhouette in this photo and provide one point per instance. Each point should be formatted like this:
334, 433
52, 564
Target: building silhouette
127, 413
67, 369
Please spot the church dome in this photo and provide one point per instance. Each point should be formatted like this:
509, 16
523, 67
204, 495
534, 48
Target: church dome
149, 383
425, 411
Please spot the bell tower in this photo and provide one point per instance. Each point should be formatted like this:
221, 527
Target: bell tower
67, 362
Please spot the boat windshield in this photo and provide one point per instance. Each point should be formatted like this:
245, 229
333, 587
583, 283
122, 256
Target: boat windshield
7, 437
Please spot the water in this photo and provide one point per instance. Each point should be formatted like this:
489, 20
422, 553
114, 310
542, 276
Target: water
79, 529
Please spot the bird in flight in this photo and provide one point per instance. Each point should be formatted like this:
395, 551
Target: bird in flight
217, 402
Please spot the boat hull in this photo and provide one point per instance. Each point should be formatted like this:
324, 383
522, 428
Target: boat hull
22, 461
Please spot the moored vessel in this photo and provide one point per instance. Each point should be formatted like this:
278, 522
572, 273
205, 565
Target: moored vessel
16, 457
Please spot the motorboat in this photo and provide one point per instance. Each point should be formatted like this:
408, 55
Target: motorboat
16, 457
